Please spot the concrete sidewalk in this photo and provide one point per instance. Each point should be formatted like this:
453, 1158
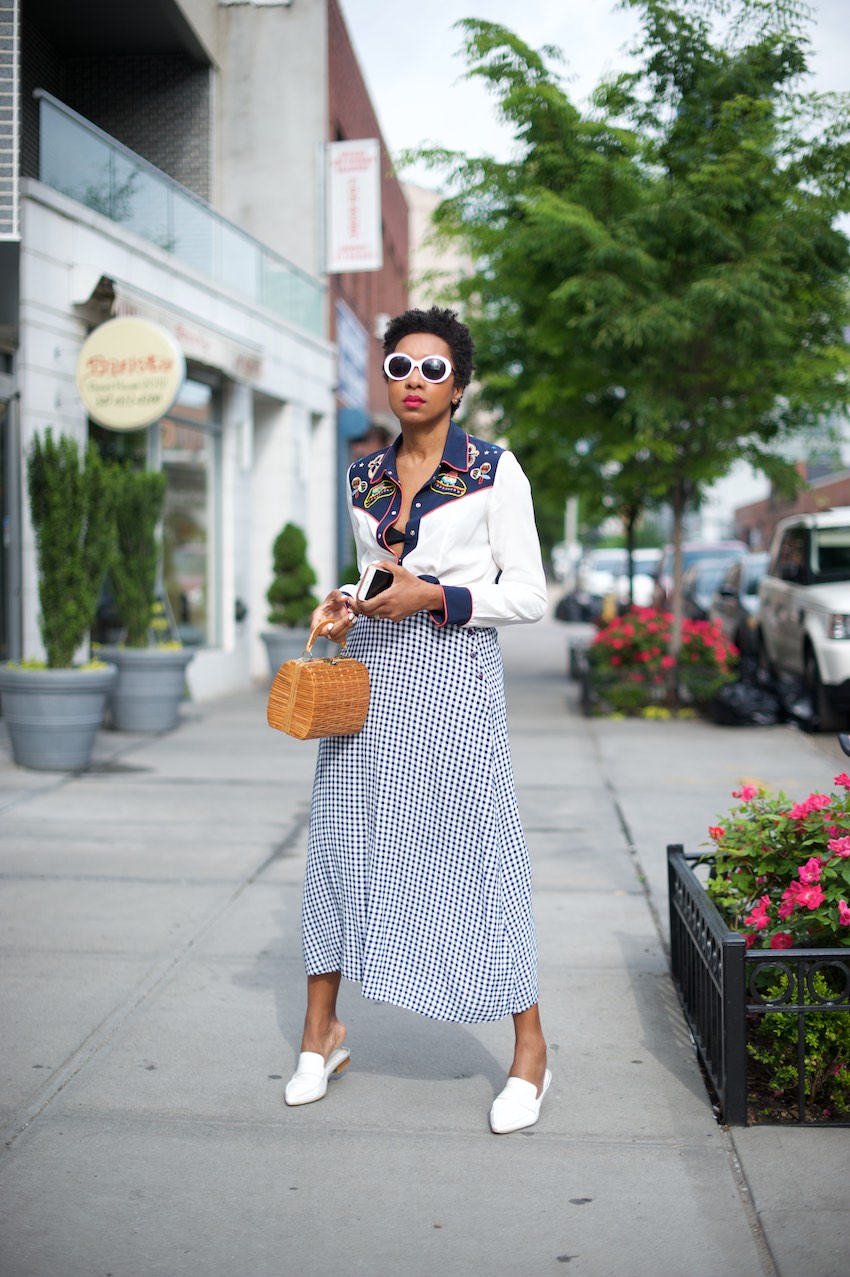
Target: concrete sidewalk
152, 1006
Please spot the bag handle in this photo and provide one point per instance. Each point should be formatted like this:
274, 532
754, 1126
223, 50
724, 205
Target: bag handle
317, 632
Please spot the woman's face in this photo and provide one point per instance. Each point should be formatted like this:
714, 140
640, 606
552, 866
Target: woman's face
415, 400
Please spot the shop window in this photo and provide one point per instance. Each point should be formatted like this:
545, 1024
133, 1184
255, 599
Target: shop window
186, 446
189, 453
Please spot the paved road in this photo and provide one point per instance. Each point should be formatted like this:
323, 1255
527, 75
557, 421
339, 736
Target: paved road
152, 999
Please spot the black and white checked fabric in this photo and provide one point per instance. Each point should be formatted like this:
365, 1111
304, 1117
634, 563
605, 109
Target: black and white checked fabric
418, 884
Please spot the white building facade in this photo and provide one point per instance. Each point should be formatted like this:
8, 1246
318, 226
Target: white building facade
165, 162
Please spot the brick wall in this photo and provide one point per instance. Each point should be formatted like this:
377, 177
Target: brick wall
368, 293
159, 105
755, 523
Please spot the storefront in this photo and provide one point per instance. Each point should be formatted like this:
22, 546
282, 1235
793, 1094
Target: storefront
248, 444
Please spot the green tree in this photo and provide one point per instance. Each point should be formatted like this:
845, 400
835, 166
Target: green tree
660, 285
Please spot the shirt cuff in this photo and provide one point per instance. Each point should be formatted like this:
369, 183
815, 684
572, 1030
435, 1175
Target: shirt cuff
457, 604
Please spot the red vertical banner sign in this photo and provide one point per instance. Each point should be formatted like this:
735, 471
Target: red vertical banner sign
353, 204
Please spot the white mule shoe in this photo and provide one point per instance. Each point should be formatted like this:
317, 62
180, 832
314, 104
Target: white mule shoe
518, 1105
309, 1082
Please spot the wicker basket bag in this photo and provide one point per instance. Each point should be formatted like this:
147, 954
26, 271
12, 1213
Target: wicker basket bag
319, 696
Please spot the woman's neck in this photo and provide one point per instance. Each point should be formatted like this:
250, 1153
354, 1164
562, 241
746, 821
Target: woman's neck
426, 443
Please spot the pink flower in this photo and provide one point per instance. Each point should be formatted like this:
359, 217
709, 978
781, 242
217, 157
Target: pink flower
811, 897
810, 871
745, 793
759, 917
790, 899
814, 802
716, 832
843, 913
667, 662
841, 846
782, 940
843, 780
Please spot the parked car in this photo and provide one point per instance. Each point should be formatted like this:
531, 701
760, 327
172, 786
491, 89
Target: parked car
804, 609
699, 582
644, 568
735, 605
598, 573
692, 552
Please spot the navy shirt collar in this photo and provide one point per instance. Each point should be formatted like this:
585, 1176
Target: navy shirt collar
455, 454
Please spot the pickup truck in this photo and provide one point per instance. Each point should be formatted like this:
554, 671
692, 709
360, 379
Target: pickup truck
804, 610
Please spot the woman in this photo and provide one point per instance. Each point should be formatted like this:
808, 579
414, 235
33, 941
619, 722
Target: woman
418, 882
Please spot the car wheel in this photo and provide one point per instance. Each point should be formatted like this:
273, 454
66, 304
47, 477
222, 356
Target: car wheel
829, 718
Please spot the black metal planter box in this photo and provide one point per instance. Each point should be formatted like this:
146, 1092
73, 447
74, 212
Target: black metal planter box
716, 976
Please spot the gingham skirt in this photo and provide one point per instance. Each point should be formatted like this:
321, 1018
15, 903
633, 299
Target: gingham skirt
418, 883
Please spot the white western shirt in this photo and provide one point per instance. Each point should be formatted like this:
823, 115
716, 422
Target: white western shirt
471, 530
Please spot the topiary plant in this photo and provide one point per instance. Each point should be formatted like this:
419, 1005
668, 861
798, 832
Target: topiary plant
292, 601
72, 507
140, 499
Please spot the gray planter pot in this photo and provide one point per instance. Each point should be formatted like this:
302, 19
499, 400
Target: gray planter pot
52, 716
149, 688
287, 645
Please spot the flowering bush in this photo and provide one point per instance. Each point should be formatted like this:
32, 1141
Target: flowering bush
632, 656
781, 877
782, 869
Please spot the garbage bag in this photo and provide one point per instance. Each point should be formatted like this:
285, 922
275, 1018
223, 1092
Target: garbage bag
746, 705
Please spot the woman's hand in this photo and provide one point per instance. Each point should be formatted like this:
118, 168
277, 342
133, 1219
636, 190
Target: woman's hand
407, 595
333, 617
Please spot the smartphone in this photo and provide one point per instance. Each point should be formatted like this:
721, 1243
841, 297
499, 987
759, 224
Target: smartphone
374, 581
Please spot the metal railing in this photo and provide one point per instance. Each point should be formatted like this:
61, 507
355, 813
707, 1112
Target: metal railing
86, 164
722, 987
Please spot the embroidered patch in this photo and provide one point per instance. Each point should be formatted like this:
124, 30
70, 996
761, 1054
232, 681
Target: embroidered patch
374, 466
382, 490
471, 453
481, 472
358, 486
449, 485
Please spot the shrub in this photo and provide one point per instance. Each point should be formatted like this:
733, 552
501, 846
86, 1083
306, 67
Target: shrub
140, 499
781, 877
772, 1049
290, 596
630, 660
72, 506
781, 870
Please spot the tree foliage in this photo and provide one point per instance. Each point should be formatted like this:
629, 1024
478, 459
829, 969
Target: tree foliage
72, 506
140, 497
290, 593
660, 285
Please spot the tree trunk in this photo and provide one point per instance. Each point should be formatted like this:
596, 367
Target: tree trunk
630, 518
678, 504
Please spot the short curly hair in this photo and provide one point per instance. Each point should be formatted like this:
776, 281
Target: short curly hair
440, 323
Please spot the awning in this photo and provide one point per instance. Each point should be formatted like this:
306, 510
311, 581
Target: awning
198, 339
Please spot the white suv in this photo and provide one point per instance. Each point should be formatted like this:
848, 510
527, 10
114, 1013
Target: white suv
804, 609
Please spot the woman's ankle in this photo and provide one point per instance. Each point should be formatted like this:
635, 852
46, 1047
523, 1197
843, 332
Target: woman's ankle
323, 1036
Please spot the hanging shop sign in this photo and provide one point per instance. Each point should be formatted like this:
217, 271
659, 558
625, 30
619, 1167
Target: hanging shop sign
352, 354
353, 197
129, 373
